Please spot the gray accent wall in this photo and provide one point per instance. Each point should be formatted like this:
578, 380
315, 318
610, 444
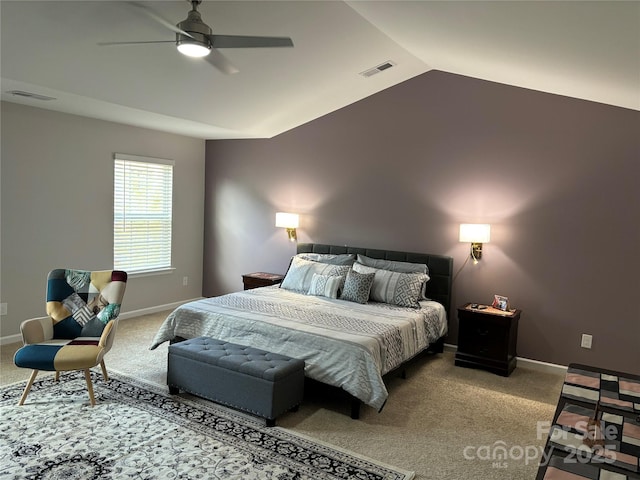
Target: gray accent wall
556, 177
57, 207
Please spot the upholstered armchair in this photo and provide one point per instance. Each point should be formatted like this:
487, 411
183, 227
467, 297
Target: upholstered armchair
80, 326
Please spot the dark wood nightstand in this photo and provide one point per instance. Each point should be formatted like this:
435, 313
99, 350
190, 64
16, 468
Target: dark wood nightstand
487, 339
261, 279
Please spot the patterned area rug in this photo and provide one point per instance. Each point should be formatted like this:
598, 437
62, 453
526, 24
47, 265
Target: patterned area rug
139, 431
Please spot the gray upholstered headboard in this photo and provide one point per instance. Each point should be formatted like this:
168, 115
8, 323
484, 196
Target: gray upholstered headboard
440, 266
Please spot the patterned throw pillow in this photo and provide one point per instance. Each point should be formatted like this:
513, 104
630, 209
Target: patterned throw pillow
326, 285
300, 273
395, 288
357, 287
397, 266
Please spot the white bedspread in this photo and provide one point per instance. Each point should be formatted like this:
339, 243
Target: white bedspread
344, 344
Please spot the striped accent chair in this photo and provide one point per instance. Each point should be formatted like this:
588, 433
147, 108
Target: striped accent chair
80, 326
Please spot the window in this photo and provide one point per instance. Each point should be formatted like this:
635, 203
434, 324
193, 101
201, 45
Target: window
143, 193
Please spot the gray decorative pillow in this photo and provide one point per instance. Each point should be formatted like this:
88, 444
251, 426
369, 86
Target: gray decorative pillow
333, 259
357, 287
393, 265
326, 285
301, 271
402, 289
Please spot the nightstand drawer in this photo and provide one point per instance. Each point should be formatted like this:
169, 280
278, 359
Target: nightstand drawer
486, 351
483, 338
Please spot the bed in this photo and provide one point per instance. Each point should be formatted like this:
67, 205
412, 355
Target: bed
344, 343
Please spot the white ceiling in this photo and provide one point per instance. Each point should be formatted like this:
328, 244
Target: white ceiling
582, 49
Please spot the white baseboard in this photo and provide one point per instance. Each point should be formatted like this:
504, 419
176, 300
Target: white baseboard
542, 366
10, 339
123, 316
156, 309
527, 363
450, 348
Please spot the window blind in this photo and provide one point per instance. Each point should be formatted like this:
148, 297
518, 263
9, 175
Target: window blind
143, 197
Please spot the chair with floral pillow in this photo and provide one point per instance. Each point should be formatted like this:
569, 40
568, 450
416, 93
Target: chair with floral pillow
83, 309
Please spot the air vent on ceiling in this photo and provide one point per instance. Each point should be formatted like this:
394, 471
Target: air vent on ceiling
35, 96
380, 68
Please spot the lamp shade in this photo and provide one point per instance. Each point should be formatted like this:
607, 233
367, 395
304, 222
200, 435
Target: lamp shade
287, 220
475, 232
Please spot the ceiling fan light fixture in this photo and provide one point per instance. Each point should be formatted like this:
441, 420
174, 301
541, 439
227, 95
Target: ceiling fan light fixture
195, 42
193, 49
194, 38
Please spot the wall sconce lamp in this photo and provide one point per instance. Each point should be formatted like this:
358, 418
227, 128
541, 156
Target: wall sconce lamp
476, 234
289, 221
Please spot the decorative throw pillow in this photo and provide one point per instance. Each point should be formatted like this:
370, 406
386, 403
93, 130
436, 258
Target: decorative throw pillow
301, 271
402, 289
397, 266
326, 285
357, 287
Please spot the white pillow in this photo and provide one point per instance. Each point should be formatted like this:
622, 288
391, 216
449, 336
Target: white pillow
395, 288
300, 273
326, 285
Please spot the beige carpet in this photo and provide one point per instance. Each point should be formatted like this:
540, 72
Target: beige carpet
443, 422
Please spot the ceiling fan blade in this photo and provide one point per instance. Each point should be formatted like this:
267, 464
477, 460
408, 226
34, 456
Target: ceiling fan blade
221, 62
108, 44
242, 41
158, 18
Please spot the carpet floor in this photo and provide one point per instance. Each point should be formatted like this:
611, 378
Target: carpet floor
442, 421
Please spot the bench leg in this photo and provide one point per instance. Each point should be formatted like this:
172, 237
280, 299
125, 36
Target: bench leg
355, 408
271, 422
173, 390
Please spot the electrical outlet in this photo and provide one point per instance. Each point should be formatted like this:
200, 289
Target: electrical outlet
586, 340
3, 308
185, 281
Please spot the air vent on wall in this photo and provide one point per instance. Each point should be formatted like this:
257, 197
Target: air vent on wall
35, 96
378, 69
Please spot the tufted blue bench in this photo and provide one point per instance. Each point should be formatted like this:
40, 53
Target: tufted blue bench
263, 383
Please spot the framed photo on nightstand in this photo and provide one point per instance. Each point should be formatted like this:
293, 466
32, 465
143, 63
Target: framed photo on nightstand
500, 302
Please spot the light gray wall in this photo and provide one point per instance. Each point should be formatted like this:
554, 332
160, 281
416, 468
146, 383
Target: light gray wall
57, 206
557, 179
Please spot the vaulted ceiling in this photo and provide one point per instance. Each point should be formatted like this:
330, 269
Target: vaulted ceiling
583, 49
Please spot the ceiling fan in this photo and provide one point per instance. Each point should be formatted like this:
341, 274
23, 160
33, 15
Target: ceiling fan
194, 38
